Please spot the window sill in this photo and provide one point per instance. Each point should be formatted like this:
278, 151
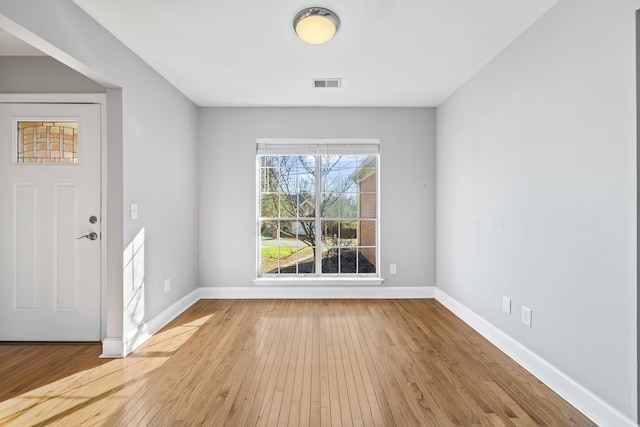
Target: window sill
318, 281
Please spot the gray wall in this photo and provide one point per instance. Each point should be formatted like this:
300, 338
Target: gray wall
536, 194
228, 176
152, 153
637, 206
42, 74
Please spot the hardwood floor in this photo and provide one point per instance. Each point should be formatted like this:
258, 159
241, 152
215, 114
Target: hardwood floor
284, 363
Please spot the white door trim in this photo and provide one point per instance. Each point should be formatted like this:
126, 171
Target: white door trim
82, 98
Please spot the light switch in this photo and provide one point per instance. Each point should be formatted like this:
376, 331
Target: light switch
506, 305
134, 211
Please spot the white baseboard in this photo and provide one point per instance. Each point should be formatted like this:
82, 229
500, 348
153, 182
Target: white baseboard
585, 401
117, 348
317, 292
112, 348
136, 338
174, 310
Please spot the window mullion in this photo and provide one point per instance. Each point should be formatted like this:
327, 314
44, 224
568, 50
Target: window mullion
319, 177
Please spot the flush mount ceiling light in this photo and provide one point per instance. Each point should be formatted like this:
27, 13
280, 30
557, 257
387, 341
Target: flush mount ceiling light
316, 25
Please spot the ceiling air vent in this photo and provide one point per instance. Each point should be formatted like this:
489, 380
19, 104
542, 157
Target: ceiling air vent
322, 83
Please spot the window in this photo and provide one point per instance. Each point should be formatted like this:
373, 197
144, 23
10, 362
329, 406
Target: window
47, 142
317, 209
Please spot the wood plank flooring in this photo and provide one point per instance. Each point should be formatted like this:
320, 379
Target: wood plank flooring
284, 363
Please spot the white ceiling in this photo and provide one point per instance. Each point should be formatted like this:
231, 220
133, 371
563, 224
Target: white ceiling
387, 52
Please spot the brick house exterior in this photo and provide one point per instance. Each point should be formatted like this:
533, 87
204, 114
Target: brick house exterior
367, 209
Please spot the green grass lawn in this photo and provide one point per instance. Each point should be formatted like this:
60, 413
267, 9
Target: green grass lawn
284, 252
274, 257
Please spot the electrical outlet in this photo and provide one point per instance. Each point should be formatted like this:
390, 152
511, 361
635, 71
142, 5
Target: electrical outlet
526, 316
506, 305
392, 269
167, 285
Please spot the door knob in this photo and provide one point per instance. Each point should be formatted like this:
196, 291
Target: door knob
91, 236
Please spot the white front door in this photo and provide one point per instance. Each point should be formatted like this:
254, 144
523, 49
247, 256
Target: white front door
50, 171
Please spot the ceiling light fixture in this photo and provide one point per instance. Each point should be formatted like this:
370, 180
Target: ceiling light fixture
316, 25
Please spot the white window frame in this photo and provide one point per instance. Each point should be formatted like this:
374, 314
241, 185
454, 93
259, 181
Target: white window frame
323, 279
